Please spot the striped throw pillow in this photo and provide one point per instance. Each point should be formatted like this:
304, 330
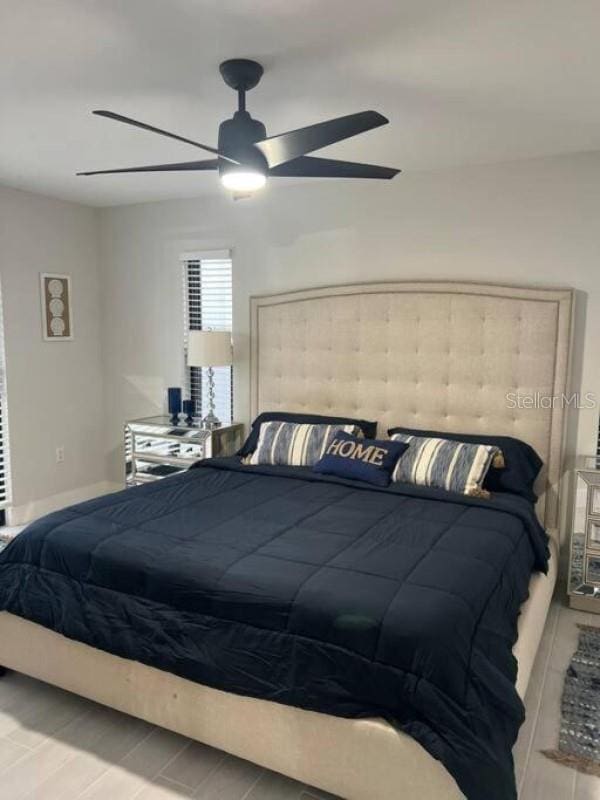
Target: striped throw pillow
294, 444
444, 464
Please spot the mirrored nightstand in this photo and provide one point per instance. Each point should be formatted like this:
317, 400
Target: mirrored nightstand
584, 560
154, 448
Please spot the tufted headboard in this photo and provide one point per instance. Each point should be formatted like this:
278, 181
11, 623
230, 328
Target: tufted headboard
443, 356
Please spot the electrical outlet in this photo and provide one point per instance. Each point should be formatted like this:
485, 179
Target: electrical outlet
60, 454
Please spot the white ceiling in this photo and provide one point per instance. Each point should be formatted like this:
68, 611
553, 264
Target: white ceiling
462, 82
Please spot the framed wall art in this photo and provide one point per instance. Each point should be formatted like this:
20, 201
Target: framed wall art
57, 312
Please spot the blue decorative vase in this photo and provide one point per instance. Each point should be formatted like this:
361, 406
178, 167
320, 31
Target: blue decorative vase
188, 410
174, 395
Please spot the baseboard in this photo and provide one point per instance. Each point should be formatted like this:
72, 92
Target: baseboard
21, 515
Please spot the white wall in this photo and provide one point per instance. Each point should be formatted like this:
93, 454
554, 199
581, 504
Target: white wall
530, 222
54, 389
533, 222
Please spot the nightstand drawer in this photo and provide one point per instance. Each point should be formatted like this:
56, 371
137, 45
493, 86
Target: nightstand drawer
592, 570
162, 450
594, 501
593, 534
151, 470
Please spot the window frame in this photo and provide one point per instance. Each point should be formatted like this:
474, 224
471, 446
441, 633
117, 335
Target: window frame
196, 378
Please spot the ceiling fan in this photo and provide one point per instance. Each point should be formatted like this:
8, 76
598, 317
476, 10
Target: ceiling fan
246, 157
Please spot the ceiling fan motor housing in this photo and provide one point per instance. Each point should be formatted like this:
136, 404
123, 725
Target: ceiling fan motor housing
236, 139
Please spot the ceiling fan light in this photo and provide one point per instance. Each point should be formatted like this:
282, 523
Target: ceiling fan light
243, 180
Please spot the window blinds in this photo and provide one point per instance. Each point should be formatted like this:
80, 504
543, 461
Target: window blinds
4, 454
208, 305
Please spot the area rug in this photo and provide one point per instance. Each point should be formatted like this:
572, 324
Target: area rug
579, 737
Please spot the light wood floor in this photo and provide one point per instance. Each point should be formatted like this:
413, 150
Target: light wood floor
56, 746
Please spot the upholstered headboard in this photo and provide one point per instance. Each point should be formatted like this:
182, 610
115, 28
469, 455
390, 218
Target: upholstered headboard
445, 356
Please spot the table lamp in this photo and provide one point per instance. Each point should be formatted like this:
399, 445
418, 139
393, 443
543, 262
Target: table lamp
210, 349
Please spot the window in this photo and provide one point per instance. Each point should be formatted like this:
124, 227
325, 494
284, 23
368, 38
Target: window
4, 455
208, 306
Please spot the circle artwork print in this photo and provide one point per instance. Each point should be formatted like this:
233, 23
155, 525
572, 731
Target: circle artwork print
56, 298
56, 307
55, 287
57, 326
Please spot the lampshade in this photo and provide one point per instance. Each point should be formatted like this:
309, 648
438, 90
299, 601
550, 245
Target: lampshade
209, 349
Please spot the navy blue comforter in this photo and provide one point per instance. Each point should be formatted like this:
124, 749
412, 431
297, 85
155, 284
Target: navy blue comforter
308, 590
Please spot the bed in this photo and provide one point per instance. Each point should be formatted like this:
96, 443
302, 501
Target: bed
435, 356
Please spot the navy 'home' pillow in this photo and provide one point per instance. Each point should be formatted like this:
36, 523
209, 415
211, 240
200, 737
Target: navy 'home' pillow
521, 463
369, 429
370, 460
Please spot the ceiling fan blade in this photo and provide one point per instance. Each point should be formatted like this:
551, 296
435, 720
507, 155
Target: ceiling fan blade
310, 167
210, 163
129, 121
287, 146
